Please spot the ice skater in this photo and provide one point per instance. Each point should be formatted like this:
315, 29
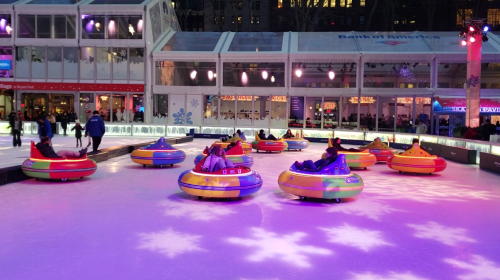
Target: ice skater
78, 133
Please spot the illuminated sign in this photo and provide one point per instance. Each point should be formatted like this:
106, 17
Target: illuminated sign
401, 100
482, 109
330, 105
5, 65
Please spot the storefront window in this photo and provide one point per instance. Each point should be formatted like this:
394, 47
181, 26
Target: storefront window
386, 114
350, 111
120, 63
33, 104
23, 58
313, 112
452, 75
54, 62
330, 113
368, 113
5, 26
138, 105
227, 109
62, 103
244, 74
103, 106
278, 111
324, 75
136, 61
397, 75
120, 112
38, 62
244, 110
87, 106
6, 62
261, 111
405, 114
70, 62
6, 104
210, 109
103, 63
160, 109
87, 63
296, 112
423, 111
177, 106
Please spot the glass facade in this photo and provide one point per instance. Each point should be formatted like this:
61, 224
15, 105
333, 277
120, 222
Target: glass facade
40, 26
6, 104
6, 61
170, 73
324, 75
243, 74
112, 27
5, 26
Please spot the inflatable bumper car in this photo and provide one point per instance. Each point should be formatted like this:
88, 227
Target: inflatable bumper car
161, 153
227, 183
40, 167
381, 151
333, 182
356, 158
416, 160
268, 145
247, 148
296, 144
235, 154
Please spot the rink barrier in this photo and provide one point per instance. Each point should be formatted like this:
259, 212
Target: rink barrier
14, 174
490, 162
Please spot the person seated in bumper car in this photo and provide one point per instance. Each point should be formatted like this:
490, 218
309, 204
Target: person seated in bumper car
241, 134
288, 135
310, 166
262, 136
47, 151
415, 141
216, 160
336, 145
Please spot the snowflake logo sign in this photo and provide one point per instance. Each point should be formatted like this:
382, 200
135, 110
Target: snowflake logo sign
179, 116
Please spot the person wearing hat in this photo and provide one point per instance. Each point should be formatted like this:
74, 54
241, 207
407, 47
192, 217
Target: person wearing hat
95, 128
78, 133
310, 166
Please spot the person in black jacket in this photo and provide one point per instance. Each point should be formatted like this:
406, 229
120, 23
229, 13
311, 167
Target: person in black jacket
488, 129
336, 145
78, 133
64, 122
47, 151
262, 136
310, 166
16, 126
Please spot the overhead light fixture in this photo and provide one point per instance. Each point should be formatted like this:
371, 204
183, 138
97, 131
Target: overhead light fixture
486, 28
8, 29
192, 75
210, 75
131, 29
331, 74
272, 77
471, 28
472, 39
298, 73
264, 74
244, 77
464, 42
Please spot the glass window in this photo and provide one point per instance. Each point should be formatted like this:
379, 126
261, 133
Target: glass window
119, 108
324, 75
240, 20
103, 63
313, 112
368, 113
244, 110
136, 60
397, 75
103, 106
404, 121
210, 109
6, 104
177, 106
278, 111
185, 73
70, 62
257, 5
62, 103
87, 63
125, 27
43, 26
240, 5
362, 3
64, 26
137, 106
490, 74
452, 75
350, 111
296, 113
6, 62
93, 27
87, 106
160, 109
423, 111
23, 58
120, 59
254, 74
493, 17
385, 114
38, 62
330, 112
261, 111
193, 112
227, 108
54, 62
5, 26
27, 26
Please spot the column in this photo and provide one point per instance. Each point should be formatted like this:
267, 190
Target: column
473, 91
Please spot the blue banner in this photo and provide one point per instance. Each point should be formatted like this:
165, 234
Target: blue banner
5, 65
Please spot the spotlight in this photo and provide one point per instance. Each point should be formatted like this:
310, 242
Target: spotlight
272, 78
193, 74
210, 75
298, 73
8, 28
471, 28
485, 38
472, 39
244, 78
486, 28
131, 29
331, 75
464, 42
264, 74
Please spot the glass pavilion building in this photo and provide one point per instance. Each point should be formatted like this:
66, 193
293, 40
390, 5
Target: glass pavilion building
128, 60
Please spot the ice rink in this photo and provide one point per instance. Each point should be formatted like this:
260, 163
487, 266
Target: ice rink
126, 222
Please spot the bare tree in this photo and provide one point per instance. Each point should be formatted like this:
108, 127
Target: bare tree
430, 9
306, 13
208, 15
370, 16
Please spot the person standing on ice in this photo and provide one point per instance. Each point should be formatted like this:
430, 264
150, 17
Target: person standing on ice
95, 128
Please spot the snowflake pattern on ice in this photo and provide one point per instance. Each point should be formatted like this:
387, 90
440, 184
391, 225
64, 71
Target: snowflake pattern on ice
446, 235
266, 200
269, 245
169, 242
195, 103
195, 211
391, 276
369, 208
362, 239
480, 267
179, 116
